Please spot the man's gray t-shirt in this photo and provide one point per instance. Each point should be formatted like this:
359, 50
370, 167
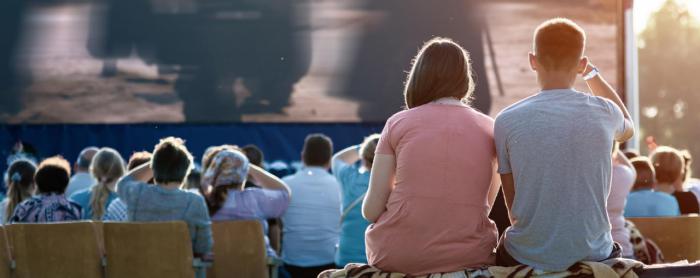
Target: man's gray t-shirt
558, 144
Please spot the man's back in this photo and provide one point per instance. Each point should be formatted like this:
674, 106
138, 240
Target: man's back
557, 145
312, 221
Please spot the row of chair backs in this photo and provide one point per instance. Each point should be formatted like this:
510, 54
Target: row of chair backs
78, 249
239, 247
677, 237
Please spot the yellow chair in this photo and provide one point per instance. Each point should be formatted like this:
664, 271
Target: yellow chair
239, 250
678, 237
153, 249
56, 250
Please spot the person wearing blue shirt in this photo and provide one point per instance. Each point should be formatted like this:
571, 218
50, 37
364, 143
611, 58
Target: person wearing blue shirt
643, 201
351, 167
311, 224
107, 167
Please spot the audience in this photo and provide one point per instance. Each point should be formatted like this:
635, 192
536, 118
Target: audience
229, 200
644, 201
670, 174
554, 156
165, 201
107, 167
351, 167
82, 179
311, 224
50, 204
433, 178
256, 157
692, 184
623, 177
116, 211
19, 180
193, 182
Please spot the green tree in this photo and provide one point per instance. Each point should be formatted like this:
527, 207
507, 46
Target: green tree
669, 78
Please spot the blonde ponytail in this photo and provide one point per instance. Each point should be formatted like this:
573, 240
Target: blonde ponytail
107, 167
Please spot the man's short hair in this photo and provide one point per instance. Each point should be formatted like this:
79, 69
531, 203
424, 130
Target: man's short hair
559, 44
254, 154
137, 159
85, 157
171, 161
668, 164
52, 175
318, 150
646, 176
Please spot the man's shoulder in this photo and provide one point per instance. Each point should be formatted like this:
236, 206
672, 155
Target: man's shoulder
518, 107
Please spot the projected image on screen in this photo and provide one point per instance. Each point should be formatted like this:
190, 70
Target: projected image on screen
211, 61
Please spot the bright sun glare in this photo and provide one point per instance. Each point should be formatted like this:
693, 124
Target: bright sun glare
643, 9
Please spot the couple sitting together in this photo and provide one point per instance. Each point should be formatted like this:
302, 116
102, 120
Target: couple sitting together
439, 165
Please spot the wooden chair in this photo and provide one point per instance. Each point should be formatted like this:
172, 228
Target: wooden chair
56, 250
153, 249
678, 237
239, 250
7, 263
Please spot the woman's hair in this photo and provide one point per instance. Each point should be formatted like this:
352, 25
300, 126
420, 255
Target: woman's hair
646, 176
688, 161
19, 179
137, 159
171, 161
440, 69
218, 195
52, 175
107, 167
668, 164
367, 149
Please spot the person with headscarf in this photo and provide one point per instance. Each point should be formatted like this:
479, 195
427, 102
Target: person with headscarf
224, 182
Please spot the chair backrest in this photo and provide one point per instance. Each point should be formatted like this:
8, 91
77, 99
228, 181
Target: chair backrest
239, 250
678, 237
152, 249
56, 249
5, 254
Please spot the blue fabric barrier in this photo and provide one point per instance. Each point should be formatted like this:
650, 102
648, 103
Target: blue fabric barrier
279, 141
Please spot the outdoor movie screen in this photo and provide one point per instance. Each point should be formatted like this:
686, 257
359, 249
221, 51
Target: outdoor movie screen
224, 61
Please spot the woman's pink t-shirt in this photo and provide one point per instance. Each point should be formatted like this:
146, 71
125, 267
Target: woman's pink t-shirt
437, 214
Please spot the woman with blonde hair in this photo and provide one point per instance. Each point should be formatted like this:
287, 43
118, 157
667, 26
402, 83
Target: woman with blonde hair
107, 168
19, 180
351, 167
433, 180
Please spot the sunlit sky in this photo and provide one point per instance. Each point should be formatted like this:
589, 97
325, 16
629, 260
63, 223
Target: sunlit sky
643, 9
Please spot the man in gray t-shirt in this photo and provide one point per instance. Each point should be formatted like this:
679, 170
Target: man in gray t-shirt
554, 153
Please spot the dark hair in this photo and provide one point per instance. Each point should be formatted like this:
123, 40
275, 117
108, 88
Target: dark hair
218, 195
646, 176
171, 161
318, 150
85, 157
368, 147
53, 175
440, 69
194, 180
559, 44
19, 179
137, 159
630, 153
254, 154
688, 161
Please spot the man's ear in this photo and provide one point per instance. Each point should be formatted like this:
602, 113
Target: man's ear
533, 61
582, 65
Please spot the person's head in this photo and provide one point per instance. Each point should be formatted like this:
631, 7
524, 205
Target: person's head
19, 179
557, 50
211, 152
171, 161
137, 159
318, 150
442, 68
254, 154
82, 164
229, 170
367, 149
194, 180
646, 176
52, 175
107, 167
669, 166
